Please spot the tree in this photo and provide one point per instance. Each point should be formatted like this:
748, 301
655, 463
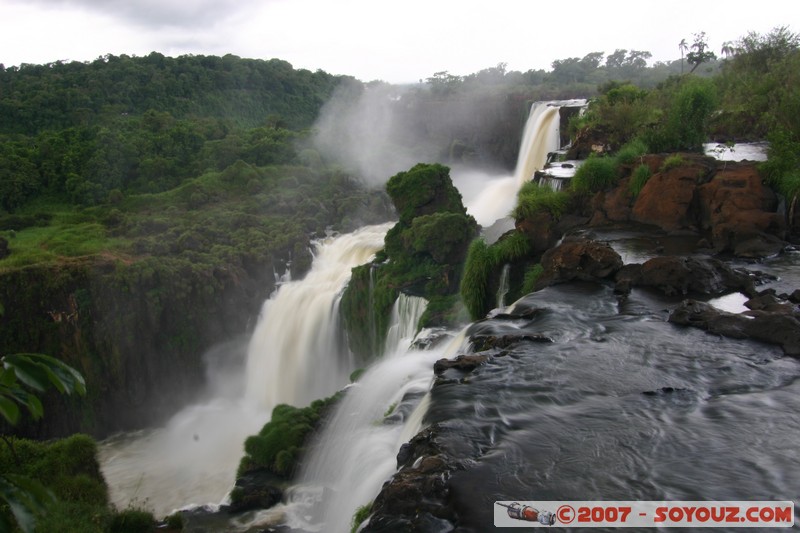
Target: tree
727, 49
683, 46
25, 497
616, 59
700, 53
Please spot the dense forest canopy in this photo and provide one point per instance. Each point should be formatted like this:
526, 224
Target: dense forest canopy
101, 132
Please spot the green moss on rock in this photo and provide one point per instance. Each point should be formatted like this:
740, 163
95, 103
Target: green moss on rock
422, 256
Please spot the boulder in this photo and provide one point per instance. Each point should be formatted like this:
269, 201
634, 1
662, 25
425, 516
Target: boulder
578, 259
780, 328
674, 275
540, 230
417, 497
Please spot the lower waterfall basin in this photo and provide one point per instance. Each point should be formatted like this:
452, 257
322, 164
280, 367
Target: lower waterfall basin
622, 405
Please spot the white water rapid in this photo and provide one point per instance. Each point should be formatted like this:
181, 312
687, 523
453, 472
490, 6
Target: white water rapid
293, 357
357, 450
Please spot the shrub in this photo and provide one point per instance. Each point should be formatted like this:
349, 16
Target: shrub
533, 199
638, 179
686, 121
782, 167
474, 283
673, 161
531, 277
132, 521
631, 152
597, 173
280, 444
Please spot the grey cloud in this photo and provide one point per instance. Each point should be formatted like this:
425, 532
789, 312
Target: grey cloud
161, 13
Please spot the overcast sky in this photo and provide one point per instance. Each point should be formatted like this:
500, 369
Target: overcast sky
373, 39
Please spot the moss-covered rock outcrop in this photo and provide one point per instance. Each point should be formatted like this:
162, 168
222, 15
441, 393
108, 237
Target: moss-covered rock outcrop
273, 455
423, 255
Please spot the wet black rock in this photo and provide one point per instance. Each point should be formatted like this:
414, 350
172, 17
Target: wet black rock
257, 489
416, 498
676, 275
781, 328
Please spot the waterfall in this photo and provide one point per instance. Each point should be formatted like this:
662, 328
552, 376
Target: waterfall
356, 452
404, 320
504, 285
497, 198
294, 355
540, 137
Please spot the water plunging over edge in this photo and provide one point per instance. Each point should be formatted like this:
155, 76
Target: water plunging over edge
193, 459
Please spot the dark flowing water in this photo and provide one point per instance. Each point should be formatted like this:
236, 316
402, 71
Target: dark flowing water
621, 406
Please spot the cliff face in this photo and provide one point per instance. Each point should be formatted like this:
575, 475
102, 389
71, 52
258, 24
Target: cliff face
136, 331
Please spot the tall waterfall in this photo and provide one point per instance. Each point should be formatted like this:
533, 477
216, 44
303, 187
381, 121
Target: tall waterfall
540, 137
295, 356
496, 199
292, 358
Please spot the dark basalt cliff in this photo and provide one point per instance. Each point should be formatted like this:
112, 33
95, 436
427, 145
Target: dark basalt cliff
137, 332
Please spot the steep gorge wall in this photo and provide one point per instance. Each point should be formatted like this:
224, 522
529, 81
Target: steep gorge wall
136, 331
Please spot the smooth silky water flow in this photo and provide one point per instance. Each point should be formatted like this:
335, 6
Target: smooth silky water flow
622, 405
293, 357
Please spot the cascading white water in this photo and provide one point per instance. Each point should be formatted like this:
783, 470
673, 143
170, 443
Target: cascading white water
404, 320
292, 358
356, 452
294, 354
540, 137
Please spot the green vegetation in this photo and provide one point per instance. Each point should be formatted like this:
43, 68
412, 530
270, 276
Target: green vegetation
672, 161
57, 485
597, 173
280, 444
475, 281
532, 275
361, 514
532, 199
422, 255
482, 263
639, 179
